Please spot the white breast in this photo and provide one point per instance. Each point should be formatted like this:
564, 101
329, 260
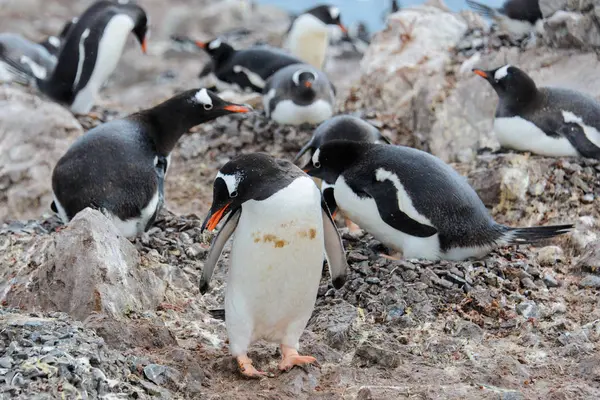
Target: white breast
364, 212
308, 40
276, 263
109, 52
514, 27
519, 134
288, 112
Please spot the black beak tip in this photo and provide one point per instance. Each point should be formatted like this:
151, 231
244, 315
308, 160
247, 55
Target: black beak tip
339, 282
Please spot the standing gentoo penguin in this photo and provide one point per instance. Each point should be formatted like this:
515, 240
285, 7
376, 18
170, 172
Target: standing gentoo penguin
91, 51
299, 94
515, 17
282, 230
308, 35
247, 69
414, 202
548, 121
340, 127
119, 167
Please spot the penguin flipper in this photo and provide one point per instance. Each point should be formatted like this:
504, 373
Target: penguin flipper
207, 69
216, 248
390, 212
303, 150
334, 249
575, 134
482, 9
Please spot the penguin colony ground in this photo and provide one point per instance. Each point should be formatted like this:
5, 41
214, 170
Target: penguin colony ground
281, 222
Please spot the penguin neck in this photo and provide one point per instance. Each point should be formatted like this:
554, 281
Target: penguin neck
517, 102
168, 121
305, 95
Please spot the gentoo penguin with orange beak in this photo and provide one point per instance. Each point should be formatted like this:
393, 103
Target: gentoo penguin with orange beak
282, 231
119, 167
412, 201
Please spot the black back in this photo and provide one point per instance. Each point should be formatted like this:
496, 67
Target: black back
525, 10
437, 191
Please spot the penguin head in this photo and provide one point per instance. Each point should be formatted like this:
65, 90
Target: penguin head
305, 78
342, 127
511, 84
246, 177
331, 159
329, 15
208, 106
217, 49
140, 20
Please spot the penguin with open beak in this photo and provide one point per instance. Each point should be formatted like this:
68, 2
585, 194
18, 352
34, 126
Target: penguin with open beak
281, 230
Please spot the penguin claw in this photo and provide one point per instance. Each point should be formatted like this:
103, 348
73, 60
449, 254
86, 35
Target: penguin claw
248, 370
290, 361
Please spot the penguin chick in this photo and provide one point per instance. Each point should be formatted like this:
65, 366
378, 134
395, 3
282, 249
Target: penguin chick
516, 17
245, 70
299, 94
282, 230
340, 127
91, 50
414, 202
549, 121
119, 167
308, 35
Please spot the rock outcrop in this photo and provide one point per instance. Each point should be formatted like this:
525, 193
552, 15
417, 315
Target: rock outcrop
34, 134
571, 23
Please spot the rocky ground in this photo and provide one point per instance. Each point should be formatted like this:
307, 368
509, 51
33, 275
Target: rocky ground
88, 314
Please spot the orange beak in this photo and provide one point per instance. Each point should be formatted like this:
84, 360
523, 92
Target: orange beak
200, 44
334, 214
305, 170
145, 46
481, 73
216, 218
343, 28
237, 108
308, 84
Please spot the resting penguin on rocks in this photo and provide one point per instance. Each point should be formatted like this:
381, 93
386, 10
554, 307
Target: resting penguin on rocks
119, 167
415, 203
281, 231
90, 53
308, 35
242, 70
548, 121
30, 59
340, 127
299, 94
516, 17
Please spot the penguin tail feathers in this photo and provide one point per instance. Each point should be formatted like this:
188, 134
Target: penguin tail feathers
218, 313
482, 9
514, 236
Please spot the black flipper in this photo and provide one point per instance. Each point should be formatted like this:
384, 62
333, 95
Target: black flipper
334, 249
161, 169
482, 9
576, 136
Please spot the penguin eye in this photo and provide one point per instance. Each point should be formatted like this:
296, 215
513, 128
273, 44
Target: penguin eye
317, 164
234, 193
208, 107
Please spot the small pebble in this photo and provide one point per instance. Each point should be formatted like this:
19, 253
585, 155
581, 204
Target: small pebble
373, 280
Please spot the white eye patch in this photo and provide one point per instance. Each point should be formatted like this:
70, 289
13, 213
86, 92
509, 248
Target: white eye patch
202, 97
315, 157
334, 12
215, 44
501, 72
296, 76
231, 181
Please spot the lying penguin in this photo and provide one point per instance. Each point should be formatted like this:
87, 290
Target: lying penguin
516, 18
299, 94
119, 167
415, 203
308, 35
242, 70
548, 121
340, 127
282, 230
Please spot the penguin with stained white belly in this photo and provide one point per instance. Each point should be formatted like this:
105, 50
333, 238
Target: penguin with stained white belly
281, 231
119, 167
299, 94
243, 70
91, 51
340, 127
412, 201
549, 121
308, 35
